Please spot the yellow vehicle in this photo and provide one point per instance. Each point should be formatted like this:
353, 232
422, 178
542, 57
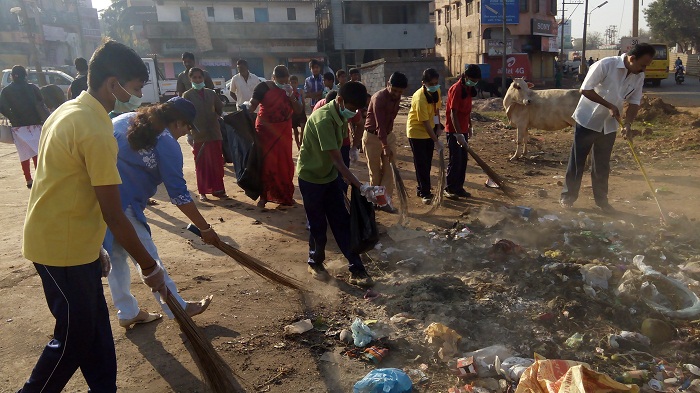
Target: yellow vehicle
658, 69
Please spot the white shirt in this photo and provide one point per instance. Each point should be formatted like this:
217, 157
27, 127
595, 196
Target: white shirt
608, 77
244, 89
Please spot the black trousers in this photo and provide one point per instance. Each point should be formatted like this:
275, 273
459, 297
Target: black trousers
602, 144
457, 165
422, 161
82, 336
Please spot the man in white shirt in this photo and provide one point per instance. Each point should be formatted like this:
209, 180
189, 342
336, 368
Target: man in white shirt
243, 83
607, 85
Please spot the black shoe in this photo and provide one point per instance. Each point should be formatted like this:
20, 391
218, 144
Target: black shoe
427, 199
361, 279
449, 194
463, 193
319, 272
607, 208
566, 204
388, 209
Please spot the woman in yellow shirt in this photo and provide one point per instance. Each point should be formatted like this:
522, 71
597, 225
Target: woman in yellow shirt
423, 127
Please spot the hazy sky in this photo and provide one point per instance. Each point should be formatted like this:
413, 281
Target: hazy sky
616, 12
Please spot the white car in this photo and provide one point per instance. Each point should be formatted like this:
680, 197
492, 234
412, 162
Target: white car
53, 77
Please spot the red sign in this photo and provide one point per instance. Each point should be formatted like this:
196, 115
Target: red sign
517, 66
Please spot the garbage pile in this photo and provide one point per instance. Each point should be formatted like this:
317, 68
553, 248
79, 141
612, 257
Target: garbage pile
509, 299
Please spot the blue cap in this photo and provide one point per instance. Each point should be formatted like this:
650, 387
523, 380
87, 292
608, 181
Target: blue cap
185, 107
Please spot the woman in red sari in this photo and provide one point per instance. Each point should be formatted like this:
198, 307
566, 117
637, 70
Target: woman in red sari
274, 128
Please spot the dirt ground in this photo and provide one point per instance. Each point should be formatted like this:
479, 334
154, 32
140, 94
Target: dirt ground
426, 279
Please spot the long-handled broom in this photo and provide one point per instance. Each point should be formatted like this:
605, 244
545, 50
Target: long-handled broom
252, 263
439, 196
402, 195
217, 375
490, 172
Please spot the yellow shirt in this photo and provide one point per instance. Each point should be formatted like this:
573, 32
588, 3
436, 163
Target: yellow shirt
77, 150
421, 111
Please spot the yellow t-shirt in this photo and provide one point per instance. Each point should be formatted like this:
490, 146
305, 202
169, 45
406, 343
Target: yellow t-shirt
421, 111
77, 150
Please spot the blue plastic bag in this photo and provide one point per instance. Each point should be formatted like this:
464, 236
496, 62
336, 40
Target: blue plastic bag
384, 380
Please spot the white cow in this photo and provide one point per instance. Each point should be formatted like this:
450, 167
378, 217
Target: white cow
547, 110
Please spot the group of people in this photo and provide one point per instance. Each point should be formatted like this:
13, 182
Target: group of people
101, 158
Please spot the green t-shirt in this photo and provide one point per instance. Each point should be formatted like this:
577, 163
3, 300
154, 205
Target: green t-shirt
323, 132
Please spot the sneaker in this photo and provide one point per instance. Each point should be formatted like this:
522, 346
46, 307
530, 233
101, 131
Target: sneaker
451, 195
607, 208
318, 272
463, 193
428, 199
565, 204
361, 279
388, 209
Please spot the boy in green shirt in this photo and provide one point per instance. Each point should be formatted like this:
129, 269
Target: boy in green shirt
318, 166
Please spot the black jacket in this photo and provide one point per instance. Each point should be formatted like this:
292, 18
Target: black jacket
18, 102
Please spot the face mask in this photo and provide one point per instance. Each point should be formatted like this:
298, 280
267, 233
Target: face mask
280, 85
198, 86
129, 106
347, 113
432, 89
469, 83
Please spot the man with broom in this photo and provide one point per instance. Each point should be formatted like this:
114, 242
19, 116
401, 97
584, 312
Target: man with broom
74, 199
318, 166
378, 140
609, 83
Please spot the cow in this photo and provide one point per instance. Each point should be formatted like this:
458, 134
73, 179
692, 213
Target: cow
548, 110
493, 88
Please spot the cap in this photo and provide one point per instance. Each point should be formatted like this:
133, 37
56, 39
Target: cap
185, 107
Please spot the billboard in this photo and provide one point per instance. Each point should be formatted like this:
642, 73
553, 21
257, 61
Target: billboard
517, 65
492, 12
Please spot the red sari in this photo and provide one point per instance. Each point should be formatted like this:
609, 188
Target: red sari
209, 167
274, 128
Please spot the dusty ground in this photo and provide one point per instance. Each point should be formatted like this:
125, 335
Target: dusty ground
487, 302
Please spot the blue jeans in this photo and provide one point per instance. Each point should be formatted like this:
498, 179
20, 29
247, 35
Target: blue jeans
457, 166
82, 336
325, 205
602, 144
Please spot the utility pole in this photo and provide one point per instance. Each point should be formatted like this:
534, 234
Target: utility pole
562, 29
635, 18
584, 67
505, 49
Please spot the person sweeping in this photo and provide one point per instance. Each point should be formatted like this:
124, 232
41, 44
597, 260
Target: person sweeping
149, 155
74, 199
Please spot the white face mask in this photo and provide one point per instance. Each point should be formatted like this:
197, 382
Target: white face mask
129, 106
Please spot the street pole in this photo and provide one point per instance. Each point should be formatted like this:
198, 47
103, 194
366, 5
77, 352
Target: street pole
635, 18
505, 46
563, 27
585, 30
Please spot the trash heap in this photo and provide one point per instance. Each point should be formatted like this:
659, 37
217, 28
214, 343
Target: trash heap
509, 299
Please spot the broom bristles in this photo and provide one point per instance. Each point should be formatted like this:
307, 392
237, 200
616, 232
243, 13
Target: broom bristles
259, 268
215, 371
490, 172
437, 200
402, 195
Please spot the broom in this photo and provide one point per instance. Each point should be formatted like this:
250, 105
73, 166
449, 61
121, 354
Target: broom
253, 264
437, 200
402, 195
490, 172
215, 371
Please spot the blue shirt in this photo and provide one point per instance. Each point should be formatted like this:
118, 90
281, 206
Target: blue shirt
143, 170
314, 85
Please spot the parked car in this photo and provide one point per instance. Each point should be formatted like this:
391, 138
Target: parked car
53, 77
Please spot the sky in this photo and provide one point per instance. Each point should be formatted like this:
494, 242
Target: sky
616, 12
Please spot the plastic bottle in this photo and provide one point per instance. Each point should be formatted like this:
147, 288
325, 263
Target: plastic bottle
635, 376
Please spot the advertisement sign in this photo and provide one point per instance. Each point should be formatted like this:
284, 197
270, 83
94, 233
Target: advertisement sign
517, 66
492, 12
495, 47
550, 44
544, 27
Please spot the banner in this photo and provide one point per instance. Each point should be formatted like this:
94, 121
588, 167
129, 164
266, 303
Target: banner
517, 66
492, 12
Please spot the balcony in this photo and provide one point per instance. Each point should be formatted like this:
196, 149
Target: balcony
233, 30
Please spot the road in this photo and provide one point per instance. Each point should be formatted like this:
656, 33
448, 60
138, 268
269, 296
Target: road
685, 95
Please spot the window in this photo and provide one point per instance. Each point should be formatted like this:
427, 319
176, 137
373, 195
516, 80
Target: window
523, 6
291, 14
457, 10
469, 34
553, 7
536, 6
185, 14
210, 12
478, 7
439, 17
237, 13
261, 15
470, 8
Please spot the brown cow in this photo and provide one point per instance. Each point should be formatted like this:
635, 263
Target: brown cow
547, 110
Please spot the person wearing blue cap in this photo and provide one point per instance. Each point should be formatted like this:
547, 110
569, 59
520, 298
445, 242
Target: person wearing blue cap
149, 155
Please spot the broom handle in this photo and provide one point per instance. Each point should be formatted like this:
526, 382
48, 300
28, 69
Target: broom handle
193, 228
489, 171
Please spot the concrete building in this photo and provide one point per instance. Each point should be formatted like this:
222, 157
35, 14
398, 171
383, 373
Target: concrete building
469, 31
367, 30
61, 30
265, 33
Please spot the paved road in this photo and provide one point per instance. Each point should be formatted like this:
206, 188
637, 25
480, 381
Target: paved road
686, 95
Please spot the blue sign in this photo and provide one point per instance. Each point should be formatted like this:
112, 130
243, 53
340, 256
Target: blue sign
492, 12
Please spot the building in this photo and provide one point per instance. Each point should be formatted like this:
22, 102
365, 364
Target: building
61, 30
367, 30
265, 33
470, 31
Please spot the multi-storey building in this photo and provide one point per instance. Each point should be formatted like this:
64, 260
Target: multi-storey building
265, 33
470, 31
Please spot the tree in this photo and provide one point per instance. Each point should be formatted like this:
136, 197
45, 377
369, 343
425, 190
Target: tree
593, 41
675, 21
112, 24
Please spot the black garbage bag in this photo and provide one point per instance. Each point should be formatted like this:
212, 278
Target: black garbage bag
225, 141
245, 149
363, 227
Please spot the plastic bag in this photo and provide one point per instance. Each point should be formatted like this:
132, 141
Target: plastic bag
485, 358
514, 367
384, 380
687, 299
248, 163
596, 276
363, 227
567, 376
361, 333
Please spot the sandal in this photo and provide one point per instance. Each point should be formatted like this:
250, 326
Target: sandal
203, 198
196, 308
142, 317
